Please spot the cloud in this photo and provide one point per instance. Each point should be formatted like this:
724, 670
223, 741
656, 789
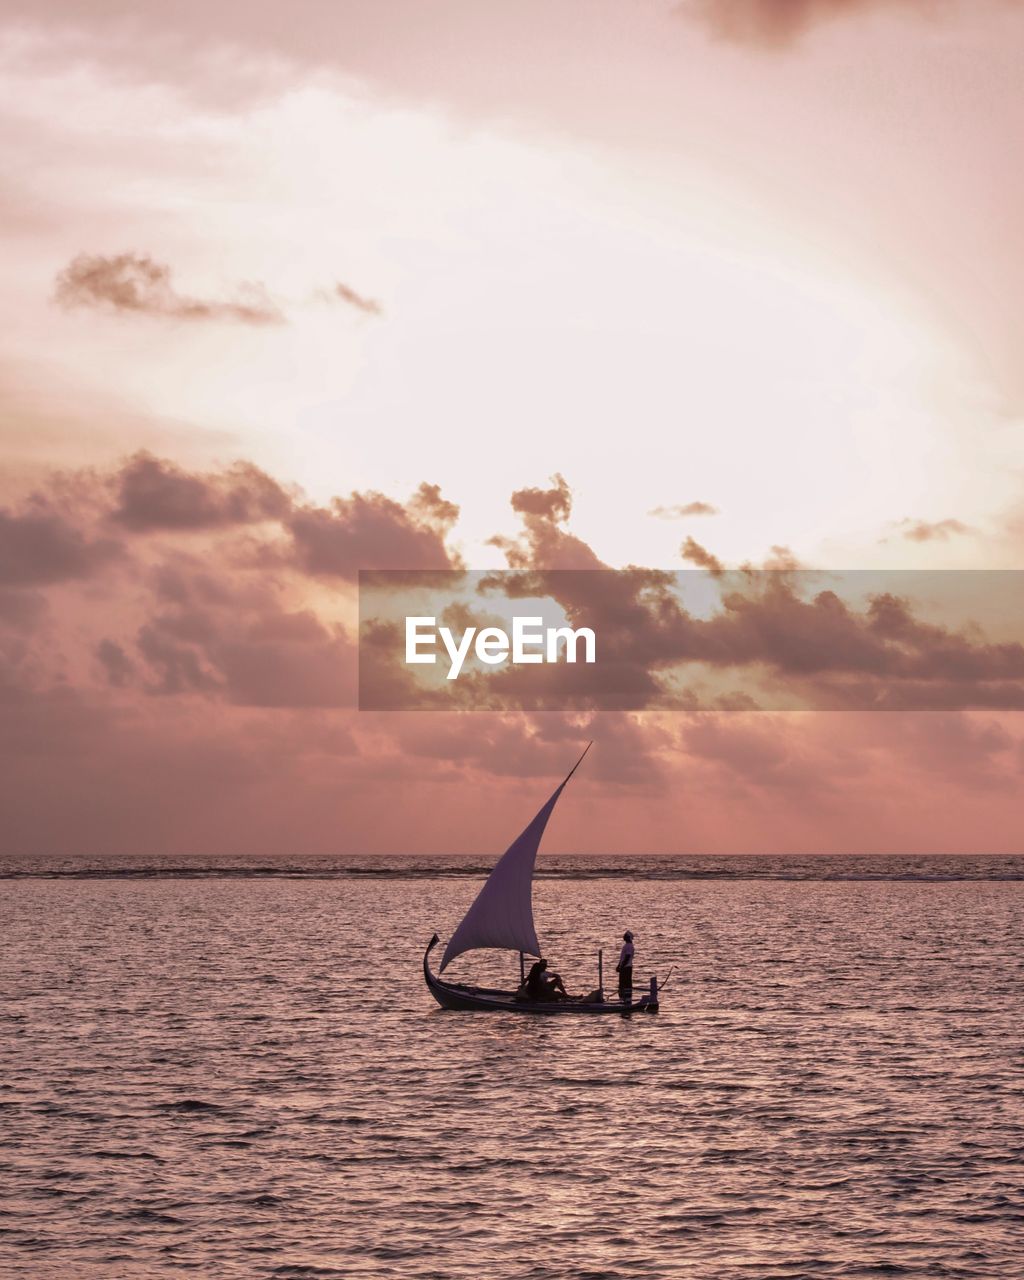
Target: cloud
152, 493
371, 531
692, 550
686, 509
767, 638
135, 283
186, 664
524, 746
771, 636
363, 531
221, 633
116, 664
40, 546
430, 505
936, 531
263, 657
287, 659
21, 610
752, 751
551, 504
369, 306
544, 544
220, 607
780, 560
776, 23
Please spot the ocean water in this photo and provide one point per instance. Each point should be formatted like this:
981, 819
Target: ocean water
244, 1075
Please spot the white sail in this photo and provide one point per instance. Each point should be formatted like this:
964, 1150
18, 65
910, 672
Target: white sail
502, 912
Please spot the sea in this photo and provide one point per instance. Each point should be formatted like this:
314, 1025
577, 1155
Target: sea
233, 1068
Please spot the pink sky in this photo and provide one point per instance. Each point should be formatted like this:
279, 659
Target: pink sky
288, 298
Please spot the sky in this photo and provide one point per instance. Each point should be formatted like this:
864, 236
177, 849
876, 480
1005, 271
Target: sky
392, 285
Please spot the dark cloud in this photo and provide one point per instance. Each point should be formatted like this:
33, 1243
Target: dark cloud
134, 283
153, 493
772, 634
222, 614
544, 544
685, 509
40, 546
551, 504
765, 638
150, 494
286, 659
837, 655
225, 615
176, 667
237, 642
776, 23
369, 306
371, 531
116, 664
225, 680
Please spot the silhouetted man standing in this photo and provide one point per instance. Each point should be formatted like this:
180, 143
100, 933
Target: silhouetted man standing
625, 965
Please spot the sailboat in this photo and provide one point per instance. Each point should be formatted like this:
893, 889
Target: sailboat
501, 916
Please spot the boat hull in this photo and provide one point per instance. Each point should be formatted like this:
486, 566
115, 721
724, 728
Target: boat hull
467, 999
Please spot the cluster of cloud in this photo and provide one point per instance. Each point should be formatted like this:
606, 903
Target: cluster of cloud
770, 636
545, 540
216, 563
151, 493
134, 283
41, 543
208, 635
228, 558
176, 628
39, 546
774, 639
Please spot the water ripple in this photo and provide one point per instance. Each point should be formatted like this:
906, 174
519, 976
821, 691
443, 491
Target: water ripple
245, 1077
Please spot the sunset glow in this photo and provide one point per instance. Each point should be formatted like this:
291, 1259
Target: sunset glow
284, 301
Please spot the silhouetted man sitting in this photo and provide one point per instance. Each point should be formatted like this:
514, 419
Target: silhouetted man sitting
541, 985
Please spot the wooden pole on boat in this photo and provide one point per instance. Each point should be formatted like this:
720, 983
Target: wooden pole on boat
522, 969
600, 970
